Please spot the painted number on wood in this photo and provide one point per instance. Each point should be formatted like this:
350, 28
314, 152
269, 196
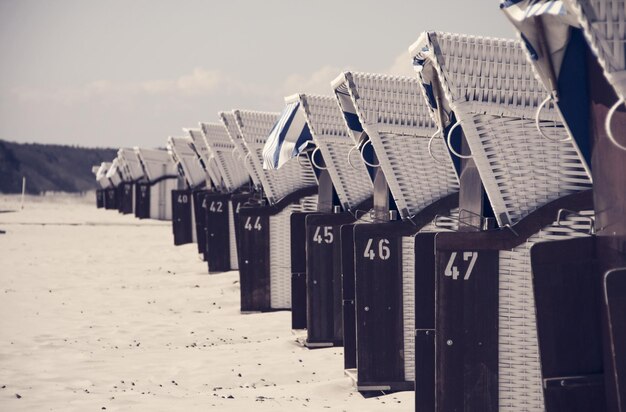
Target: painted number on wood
182, 199
323, 234
452, 270
216, 206
253, 224
384, 252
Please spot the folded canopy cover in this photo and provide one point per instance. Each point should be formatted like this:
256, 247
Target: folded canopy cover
130, 163
185, 157
288, 138
544, 27
555, 45
101, 175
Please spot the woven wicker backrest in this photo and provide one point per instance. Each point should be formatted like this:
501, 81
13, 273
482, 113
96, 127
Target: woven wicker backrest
122, 169
604, 25
342, 88
491, 89
156, 163
218, 140
254, 128
114, 174
101, 175
329, 131
131, 163
241, 150
205, 157
188, 160
394, 115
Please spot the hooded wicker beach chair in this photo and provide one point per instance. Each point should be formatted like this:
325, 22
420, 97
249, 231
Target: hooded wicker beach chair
100, 191
124, 187
221, 203
264, 225
133, 174
110, 194
155, 199
114, 176
344, 190
240, 150
484, 90
394, 116
185, 159
253, 188
101, 178
206, 159
100, 172
216, 260
577, 51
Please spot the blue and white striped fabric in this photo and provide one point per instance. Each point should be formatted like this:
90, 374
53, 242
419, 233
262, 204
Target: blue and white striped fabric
534, 8
353, 122
349, 112
288, 138
556, 47
555, 20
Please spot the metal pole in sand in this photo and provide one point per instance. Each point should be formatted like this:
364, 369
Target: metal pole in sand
23, 191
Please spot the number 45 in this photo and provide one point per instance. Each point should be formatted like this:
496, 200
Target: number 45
453, 271
325, 235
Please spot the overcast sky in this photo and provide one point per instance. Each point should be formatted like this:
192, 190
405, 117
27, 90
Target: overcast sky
132, 72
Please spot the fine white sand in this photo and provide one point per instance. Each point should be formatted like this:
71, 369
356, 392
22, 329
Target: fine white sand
100, 310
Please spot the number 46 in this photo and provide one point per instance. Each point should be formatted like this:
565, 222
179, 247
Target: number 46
453, 271
383, 249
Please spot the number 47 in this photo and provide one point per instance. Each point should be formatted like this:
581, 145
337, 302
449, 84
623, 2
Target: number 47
453, 271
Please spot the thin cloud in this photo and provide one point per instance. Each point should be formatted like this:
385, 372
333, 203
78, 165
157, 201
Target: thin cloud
317, 82
401, 66
200, 82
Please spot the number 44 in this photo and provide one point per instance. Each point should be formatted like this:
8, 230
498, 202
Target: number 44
249, 224
453, 271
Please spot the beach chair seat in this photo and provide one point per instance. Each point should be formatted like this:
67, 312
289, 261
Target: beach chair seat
213, 183
486, 87
392, 113
155, 200
316, 249
185, 159
133, 174
580, 61
100, 191
264, 228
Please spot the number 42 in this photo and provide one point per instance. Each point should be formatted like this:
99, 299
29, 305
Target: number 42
453, 271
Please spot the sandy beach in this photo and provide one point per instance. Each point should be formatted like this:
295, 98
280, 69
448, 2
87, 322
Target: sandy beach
101, 312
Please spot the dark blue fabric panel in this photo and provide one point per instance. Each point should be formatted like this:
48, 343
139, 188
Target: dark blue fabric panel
430, 95
573, 93
353, 121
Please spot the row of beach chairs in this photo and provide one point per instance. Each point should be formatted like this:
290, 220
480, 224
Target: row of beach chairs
461, 233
